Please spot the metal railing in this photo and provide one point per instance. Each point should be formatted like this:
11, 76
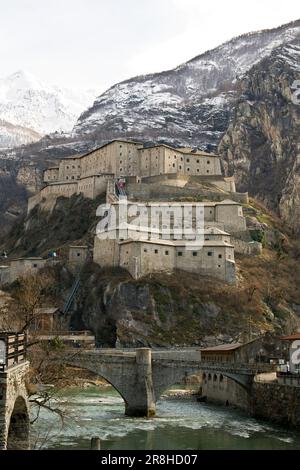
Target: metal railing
12, 349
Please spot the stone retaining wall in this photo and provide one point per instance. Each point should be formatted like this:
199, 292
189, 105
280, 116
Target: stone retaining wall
277, 403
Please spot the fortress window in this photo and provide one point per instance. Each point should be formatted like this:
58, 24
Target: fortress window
175, 156
145, 250
180, 167
120, 146
72, 177
221, 378
121, 161
198, 171
207, 171
78, 166
173, 165
73, 166
78, 254
121, 169
120, 153
67, 167
180, 253
188, 160
198, 161
156, 252
188, 169
209, 376
219, 265
195, 253
210, 253
67, 177
208, 162
220, 256
166, 253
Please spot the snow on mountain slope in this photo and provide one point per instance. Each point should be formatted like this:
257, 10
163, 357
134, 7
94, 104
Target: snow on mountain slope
27, 102
14, 136
191, 102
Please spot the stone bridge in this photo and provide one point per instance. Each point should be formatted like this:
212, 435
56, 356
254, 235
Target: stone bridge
141, 376
14, 403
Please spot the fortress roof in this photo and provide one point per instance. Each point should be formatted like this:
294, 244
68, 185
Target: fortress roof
222, 347
226, 202
199, 153
179, 243
292, 337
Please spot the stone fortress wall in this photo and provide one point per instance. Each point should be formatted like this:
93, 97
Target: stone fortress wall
163, 174
88, 174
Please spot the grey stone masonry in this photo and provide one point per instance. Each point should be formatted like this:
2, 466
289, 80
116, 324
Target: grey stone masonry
14, 408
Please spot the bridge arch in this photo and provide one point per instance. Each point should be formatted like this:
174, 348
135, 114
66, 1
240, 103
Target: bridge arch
164, 377
104, 375
19, 425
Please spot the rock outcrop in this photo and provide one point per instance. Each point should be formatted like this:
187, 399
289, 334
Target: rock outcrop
262, 144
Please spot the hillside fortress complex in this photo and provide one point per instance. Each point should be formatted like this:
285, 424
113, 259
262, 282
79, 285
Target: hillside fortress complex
154, 177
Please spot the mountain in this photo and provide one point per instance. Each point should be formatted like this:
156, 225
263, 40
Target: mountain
190, 104
262, 143
13, 135
32, 109
235, 99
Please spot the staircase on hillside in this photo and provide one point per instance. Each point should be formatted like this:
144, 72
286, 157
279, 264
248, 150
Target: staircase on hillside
75, 286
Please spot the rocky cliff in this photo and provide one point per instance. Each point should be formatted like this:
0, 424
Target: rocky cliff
190, 104
262, 144
177, 309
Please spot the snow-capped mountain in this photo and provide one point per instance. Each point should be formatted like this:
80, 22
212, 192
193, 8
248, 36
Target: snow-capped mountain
13, 136
27, 103
235, 99
189, 104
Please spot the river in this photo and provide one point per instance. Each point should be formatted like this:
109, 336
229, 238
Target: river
179, 424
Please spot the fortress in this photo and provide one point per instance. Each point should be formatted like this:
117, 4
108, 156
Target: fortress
88, 174
153, 178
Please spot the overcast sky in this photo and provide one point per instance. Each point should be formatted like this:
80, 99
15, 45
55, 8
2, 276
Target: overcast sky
96, 43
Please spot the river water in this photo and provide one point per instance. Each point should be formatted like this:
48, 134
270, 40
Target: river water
179, 424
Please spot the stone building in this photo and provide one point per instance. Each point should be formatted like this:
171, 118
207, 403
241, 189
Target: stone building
46, 319
141, 257
88, 174
51, 174
162, 169
4, 275
78, 255
225, 215
21, 266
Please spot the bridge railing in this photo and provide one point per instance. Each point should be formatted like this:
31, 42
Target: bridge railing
12, 349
